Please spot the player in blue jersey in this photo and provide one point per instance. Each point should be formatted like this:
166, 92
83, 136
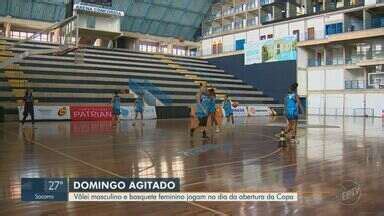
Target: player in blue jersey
28, 106
227, 106
211, 107
116, 107
139, 107
201, 112
292, 108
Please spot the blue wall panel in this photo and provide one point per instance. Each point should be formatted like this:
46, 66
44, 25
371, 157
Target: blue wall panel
272, 78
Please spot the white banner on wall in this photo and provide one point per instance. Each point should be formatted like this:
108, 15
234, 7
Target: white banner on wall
251, 53
48, 113
259, 111
128, 112
270, 50
240, 111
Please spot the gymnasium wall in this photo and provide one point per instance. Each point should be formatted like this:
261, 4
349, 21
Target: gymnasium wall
356, 103
272, 78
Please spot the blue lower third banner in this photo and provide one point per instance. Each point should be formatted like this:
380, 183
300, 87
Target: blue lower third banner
44, 189
133, 190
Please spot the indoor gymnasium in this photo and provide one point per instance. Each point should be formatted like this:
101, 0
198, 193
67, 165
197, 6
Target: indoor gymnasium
191, 107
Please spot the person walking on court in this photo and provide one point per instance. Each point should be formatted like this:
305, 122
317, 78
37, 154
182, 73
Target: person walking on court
228, 111
139, 108
212, 109
116, 107
28, 107
203, 90
201, 114
292, 108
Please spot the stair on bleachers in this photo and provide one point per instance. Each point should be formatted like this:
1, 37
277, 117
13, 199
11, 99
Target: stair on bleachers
65, 80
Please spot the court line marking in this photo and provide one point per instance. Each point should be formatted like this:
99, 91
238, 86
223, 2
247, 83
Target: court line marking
284, 166
234, 162
101, 169
218, 179
278, 168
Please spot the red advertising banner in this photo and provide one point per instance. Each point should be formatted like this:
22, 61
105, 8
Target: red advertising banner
91, 113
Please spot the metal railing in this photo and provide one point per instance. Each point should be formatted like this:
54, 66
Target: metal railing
314, 63
251, 5
68, 41
351, 3
346, 111
320, 34
355, 84
251, 22
334, 61
239, 25
266, 18
227, 27
149, 91
266, 2
368, 55
352, 59
240, 8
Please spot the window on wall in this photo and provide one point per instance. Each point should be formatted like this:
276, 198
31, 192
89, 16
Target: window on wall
214, 49
220, 48
23, 35
297, 34
311, 33
91, 22
148, 46
240, 44
335, 28
179, 51
164, 49
262, 37
142, 48
15, 34
217, 48
270, 36
377, 21
193, 52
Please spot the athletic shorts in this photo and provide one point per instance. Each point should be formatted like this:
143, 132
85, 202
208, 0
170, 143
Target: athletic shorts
292, 115
28, 108
116, 111
228, 115
138, 110
203, 121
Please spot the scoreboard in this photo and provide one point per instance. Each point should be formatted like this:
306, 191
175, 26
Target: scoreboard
107, 3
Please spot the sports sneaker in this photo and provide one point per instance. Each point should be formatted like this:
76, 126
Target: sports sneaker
191, 132
205, 135
217, 130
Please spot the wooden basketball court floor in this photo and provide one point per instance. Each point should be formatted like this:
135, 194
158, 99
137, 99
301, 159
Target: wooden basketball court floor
246, 158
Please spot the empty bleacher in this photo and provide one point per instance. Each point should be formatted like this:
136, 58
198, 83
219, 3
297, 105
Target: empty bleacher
97, 73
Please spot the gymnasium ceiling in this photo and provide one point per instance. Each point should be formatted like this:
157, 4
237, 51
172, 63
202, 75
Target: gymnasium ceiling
174, 18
